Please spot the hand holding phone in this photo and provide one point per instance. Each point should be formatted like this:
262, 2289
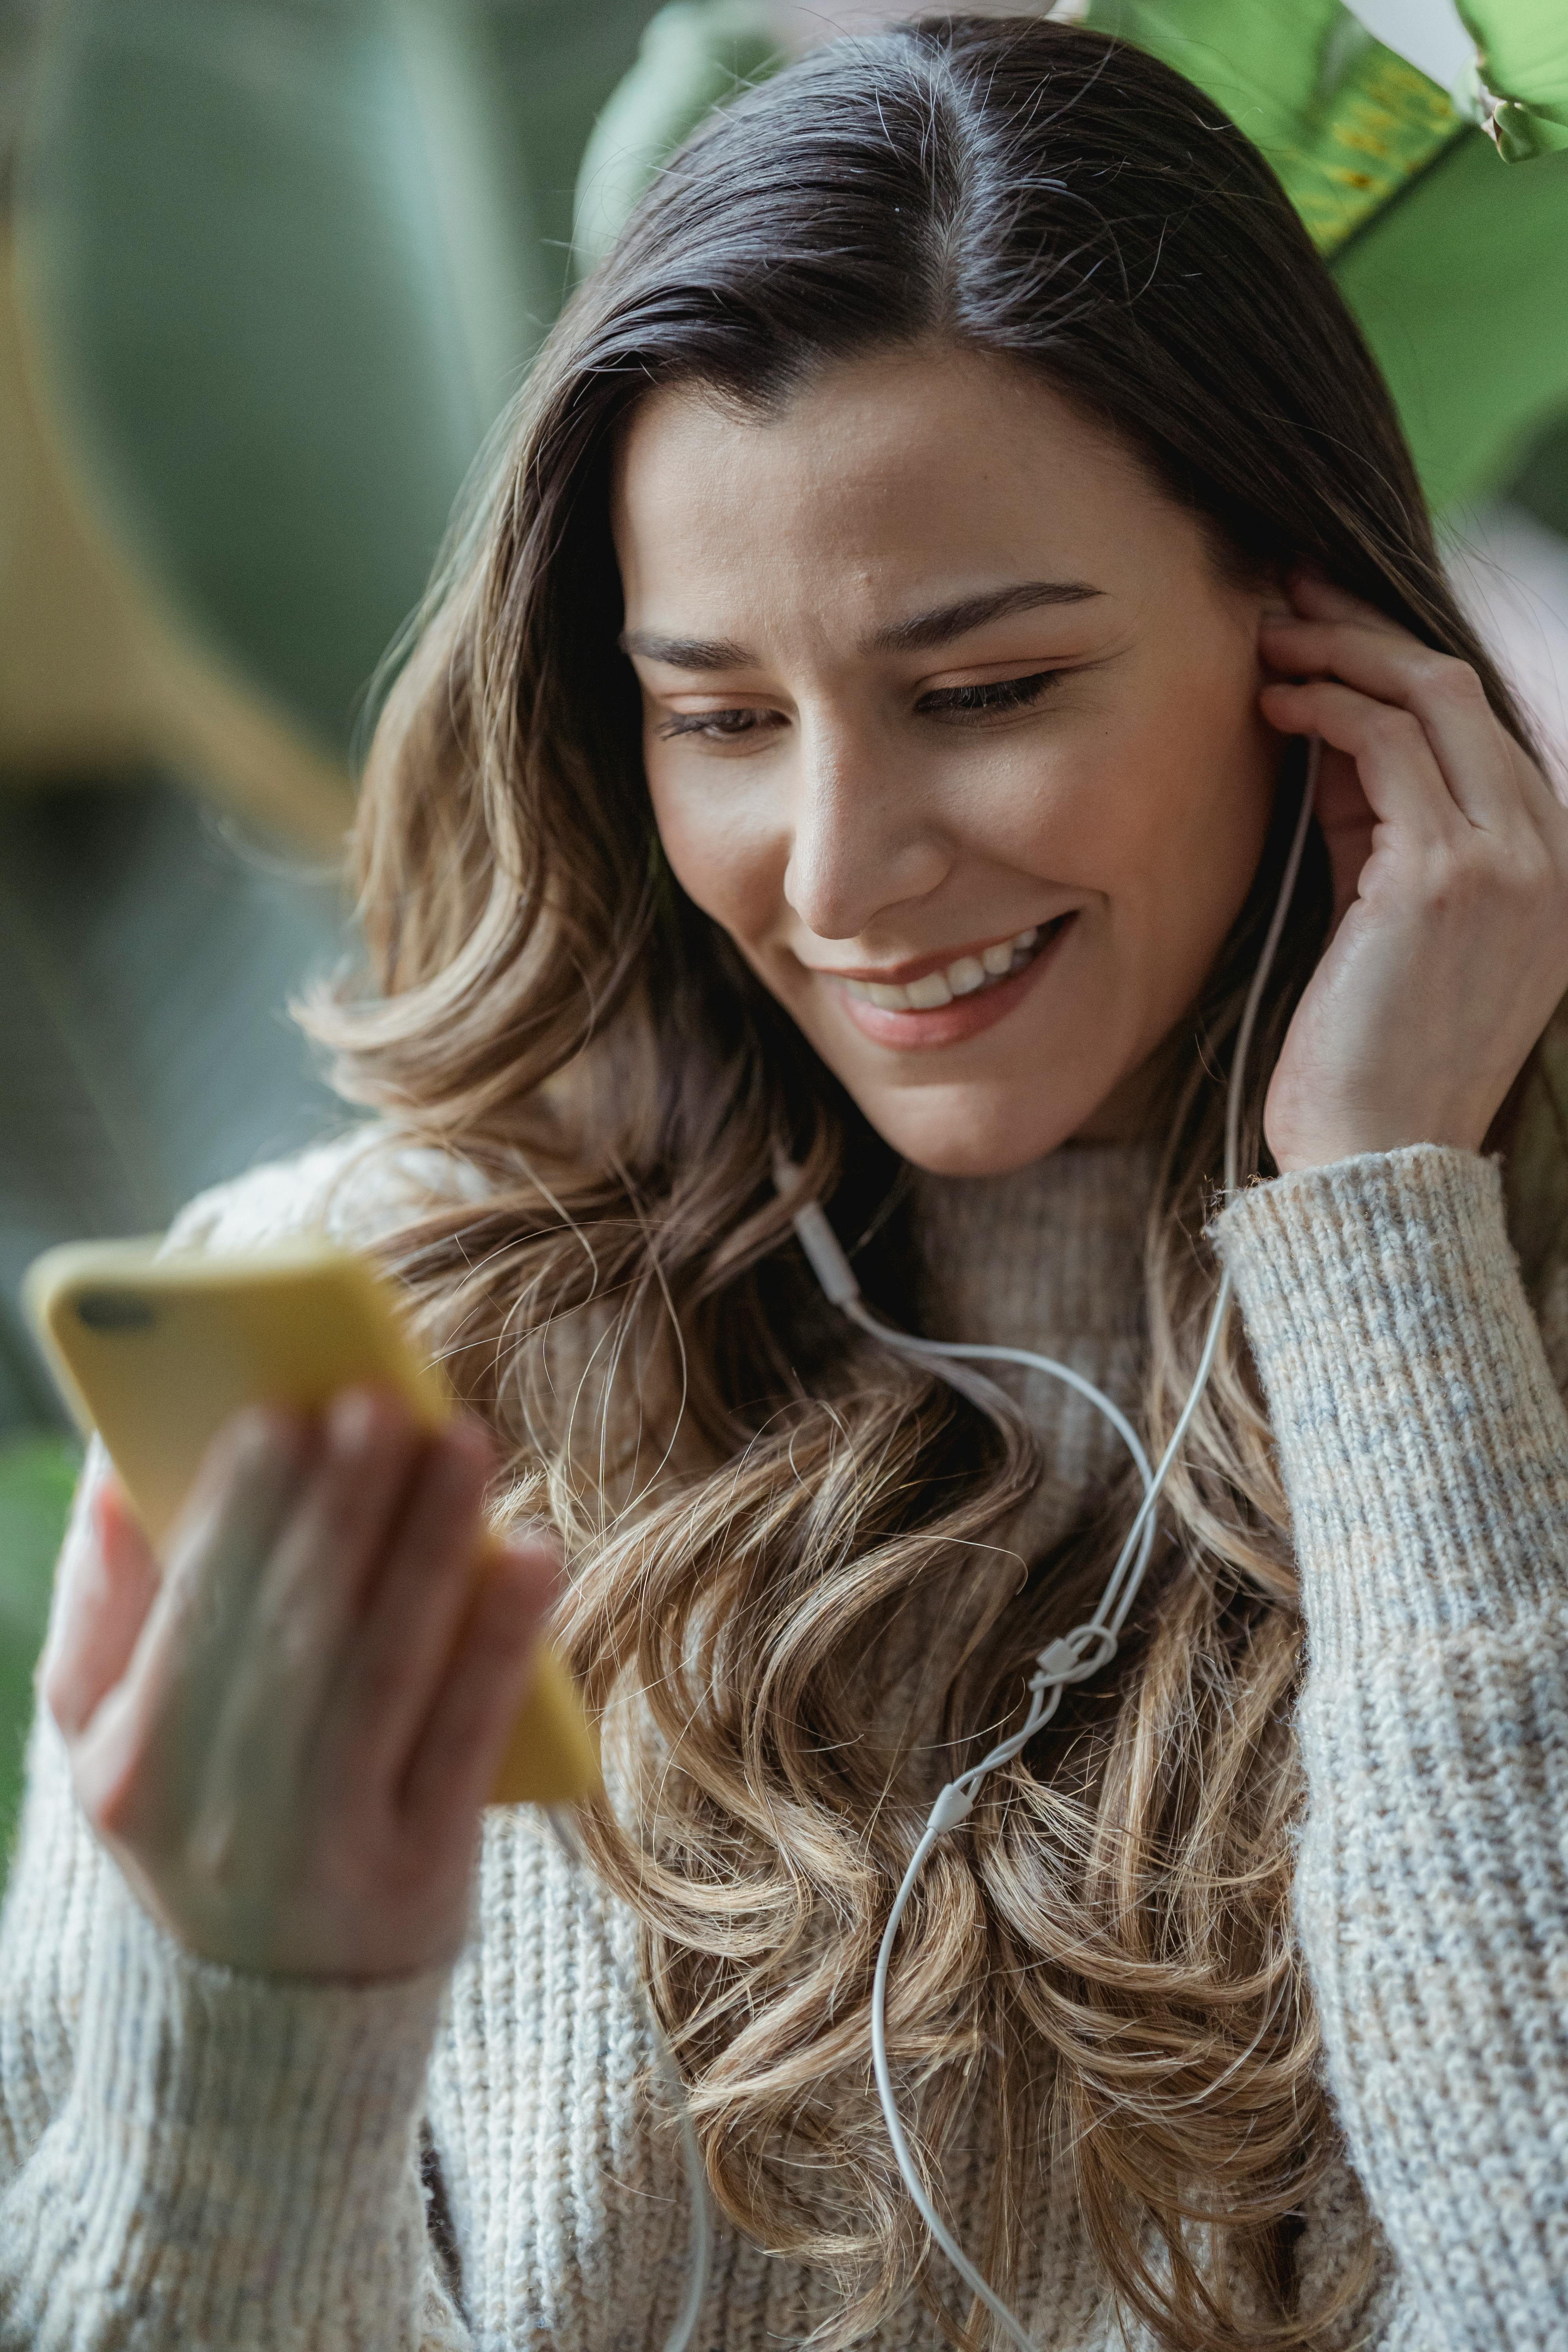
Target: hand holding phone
286, 1654
287, 1735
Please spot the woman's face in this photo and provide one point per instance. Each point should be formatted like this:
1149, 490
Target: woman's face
952, 723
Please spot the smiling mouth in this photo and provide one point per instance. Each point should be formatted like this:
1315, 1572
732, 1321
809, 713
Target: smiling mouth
966, 975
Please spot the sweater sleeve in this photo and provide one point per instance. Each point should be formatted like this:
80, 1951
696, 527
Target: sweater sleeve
1424, 1450
192, 2154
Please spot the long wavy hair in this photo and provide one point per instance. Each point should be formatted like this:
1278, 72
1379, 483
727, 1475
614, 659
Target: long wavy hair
1098, 1980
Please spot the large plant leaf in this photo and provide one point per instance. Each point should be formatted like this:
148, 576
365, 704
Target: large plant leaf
554, 70
277, 292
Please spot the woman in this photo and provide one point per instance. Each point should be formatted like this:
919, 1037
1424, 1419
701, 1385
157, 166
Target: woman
864, 727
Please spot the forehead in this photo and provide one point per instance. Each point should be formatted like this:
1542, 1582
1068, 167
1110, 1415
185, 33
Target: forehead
881, 475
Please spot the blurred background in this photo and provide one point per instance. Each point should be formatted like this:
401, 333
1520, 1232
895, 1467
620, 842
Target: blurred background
270, 272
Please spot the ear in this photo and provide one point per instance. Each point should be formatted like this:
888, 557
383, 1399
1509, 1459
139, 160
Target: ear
1274, 595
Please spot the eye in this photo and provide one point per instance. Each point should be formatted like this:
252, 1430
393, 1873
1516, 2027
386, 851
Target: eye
716, 726
995, 694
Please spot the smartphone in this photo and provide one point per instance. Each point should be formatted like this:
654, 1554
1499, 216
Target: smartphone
157, 1353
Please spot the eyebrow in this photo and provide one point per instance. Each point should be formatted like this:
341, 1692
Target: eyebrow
938, 627
944, 621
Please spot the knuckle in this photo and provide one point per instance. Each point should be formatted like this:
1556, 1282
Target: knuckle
1442, 676
257, 1440
1389, 725
363, 1422
1455, 681
1449, 884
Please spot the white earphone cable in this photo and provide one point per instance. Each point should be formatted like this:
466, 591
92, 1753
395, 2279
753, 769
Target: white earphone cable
1071, 1658
1075, 1656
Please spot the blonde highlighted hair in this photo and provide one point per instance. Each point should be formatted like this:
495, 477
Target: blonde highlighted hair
1100, 1979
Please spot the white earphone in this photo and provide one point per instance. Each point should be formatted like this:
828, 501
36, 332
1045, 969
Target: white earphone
1072, 1657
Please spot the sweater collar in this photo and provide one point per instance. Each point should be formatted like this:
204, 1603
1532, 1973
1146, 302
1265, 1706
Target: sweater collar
1053, 1250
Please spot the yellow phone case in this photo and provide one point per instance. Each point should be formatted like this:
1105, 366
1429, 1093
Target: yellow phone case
158, 1352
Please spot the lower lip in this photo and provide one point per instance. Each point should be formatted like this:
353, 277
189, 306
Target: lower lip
950, 1024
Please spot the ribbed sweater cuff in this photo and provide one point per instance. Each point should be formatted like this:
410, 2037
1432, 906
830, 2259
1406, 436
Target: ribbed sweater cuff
238, 2150
1423, 1444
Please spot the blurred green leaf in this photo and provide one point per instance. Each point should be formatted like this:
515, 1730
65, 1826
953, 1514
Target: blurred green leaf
1345, 122
555, 68
694, 56
145, 960
1461, 288
38, 1473
280, 276
1541, 483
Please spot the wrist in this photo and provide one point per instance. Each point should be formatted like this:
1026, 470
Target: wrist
1325, 1147
214, 2117
1421, 1437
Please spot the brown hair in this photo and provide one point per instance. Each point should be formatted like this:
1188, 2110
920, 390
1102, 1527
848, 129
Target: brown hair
1100, 1975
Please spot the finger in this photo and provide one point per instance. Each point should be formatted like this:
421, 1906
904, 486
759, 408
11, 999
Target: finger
1473, 750
1345, 818
460, 1746
314, 1584
1395, 763
420, 1594
77, 1560
114, 1582
248, 1481
1316, 597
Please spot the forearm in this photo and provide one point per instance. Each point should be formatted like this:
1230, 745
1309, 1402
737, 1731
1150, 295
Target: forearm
1424, 1450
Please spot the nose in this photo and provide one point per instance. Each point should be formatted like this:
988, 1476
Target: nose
864, 838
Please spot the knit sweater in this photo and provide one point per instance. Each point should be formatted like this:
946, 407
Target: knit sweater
198, 2156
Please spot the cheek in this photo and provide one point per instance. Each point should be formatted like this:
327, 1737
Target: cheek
726, 863
1202, 804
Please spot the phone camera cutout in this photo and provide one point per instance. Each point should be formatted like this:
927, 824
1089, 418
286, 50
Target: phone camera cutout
114, 1310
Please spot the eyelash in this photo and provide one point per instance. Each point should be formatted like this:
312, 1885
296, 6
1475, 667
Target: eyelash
997, 694
710, 723
958, 701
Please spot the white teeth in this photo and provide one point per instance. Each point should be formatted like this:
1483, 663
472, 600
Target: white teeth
926, 994
961, 977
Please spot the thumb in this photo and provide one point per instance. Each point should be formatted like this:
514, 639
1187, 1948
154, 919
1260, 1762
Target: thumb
107, 1580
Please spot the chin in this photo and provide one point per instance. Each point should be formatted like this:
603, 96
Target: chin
971, 1138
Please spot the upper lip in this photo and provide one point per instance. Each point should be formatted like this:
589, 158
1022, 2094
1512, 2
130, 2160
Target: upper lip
898, 975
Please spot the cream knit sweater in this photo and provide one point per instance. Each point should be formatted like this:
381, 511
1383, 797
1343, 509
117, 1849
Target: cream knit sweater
194, 2157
